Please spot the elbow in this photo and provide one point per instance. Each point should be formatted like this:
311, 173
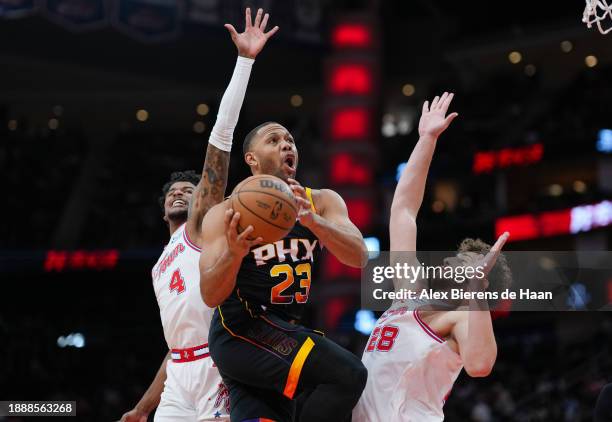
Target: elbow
210, 302
364, 255
480, 368
208, 297
359, 258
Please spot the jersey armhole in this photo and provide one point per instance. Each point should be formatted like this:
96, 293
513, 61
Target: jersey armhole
309, 195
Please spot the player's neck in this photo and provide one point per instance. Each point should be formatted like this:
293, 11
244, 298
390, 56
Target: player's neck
173, 226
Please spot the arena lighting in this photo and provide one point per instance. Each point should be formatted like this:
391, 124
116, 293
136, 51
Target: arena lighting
360, 210
352, 35
334, 269
344, 168
365, 321
296, 100
202, 109
487, 161
604, 142
71, 340
578, 296
335, 309
400, 170
590, 61
372, 243
58, 261
350, 78
575, 220
350, 123
566, 46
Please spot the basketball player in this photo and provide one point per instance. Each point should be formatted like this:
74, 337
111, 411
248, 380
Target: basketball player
188, 386
416, 350
259, 290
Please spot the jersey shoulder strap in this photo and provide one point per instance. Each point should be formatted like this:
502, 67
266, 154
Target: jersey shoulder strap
309, 195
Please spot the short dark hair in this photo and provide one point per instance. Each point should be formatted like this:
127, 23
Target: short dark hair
500, 276
178, 176
248, 140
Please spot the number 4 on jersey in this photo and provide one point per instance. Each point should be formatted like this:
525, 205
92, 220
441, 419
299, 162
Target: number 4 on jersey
177, 283
382, 339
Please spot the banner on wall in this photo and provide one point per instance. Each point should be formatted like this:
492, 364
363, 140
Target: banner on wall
14, 9
78, 15
149, 20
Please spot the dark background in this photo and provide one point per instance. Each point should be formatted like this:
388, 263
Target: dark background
89, 180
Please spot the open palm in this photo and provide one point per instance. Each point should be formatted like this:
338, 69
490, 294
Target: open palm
433, 119
252, 40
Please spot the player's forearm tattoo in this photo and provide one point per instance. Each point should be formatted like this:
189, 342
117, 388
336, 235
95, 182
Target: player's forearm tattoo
214, 177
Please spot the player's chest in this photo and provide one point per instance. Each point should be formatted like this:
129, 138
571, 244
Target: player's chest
288, 250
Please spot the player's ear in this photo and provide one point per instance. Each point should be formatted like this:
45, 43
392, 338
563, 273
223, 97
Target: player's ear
250, 159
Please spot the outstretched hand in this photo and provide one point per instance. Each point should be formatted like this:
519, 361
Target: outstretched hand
490, 258
434, 120
250, 42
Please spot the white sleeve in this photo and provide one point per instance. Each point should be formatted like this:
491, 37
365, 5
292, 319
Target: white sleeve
231, 103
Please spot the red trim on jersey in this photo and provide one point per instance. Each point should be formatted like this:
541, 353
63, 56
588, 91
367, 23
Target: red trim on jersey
188, 240
426, 327
188, 355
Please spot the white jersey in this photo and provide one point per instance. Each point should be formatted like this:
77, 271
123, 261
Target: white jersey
410, 370
193, 390
176, 280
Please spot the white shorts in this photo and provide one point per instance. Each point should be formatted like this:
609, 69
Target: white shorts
193, 391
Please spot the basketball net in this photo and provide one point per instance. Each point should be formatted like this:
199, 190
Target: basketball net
597, 11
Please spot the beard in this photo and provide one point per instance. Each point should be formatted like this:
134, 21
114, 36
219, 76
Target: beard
178, 216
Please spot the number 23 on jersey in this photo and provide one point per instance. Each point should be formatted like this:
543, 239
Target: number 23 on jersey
302, 271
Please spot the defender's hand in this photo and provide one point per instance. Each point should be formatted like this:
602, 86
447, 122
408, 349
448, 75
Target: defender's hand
252, 40
490, 259
433, 121
134, 415
305, 215
487, 262
239, 244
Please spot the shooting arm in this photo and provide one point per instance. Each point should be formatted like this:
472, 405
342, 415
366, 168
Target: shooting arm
221, 259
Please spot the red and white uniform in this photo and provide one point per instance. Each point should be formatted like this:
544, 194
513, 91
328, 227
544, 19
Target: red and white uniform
193, 390
410, 370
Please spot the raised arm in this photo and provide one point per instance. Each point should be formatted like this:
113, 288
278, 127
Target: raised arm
473, 329
221, 258
409, 192
332, 225
211, 189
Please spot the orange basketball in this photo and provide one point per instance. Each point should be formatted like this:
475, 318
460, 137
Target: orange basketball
267, 203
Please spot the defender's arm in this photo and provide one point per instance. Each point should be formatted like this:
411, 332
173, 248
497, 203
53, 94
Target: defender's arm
410, 189
150, 398
211, 189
